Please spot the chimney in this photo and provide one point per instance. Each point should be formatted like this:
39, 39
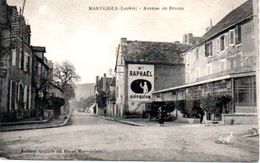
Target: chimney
123, 40
104, 82
187, 38
208, 28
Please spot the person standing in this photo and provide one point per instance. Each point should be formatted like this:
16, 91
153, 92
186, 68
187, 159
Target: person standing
201, 112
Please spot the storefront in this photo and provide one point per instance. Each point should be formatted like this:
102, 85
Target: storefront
245, 95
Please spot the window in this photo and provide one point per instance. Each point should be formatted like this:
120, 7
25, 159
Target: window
208, 49
39, 69
25, 97
231, 37
28, 98
195, 55
222, 42
245, 91
12, 93
21, 96
26, 64
238, 35
13, 57
20, 59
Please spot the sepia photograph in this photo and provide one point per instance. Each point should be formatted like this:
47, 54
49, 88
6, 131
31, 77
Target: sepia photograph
129, 80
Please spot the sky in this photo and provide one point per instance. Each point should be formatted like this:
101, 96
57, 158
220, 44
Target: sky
88, 39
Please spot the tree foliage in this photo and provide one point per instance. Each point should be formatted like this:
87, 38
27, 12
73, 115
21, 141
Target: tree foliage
64, 74
101, 99
215, 104
185, 107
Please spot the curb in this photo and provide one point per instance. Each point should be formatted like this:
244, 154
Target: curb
120, 121
43, 127
24, 123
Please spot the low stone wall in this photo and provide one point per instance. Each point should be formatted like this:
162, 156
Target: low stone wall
239, 118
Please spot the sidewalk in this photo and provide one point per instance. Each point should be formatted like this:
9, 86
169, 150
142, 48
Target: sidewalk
120, 120
61, 121
146, 122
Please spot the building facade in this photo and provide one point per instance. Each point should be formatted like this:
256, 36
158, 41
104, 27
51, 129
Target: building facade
41, 79
15, 65
223, 63
143, 67
105, 90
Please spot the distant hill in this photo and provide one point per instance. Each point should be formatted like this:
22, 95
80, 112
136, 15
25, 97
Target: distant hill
84, 90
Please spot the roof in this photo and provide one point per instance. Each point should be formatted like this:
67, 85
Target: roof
236, 16
38, 49
153, 52
229, 76
110, 81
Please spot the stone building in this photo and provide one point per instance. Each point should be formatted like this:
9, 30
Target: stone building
15, 65
143, 67
223, 63
41, 78
104, 90
190, 39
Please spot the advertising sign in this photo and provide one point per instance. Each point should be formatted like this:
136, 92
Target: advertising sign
140, 82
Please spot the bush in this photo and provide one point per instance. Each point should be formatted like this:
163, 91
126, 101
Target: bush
209, 104
101, 99
222, 103
185, 107
215, 104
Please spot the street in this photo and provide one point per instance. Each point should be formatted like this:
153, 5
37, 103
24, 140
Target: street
94, 138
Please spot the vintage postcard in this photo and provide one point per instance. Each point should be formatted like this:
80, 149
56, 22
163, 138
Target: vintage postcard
129, 80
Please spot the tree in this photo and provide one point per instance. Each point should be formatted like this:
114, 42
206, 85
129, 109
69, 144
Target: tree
65, 76
40, 85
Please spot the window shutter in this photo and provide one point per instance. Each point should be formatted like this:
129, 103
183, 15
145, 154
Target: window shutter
29, 99
218, 44
226, 40
25, 97
25, 63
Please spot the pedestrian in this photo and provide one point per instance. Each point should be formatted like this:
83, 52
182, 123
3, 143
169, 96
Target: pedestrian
105, 112
161, 116
201, 112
